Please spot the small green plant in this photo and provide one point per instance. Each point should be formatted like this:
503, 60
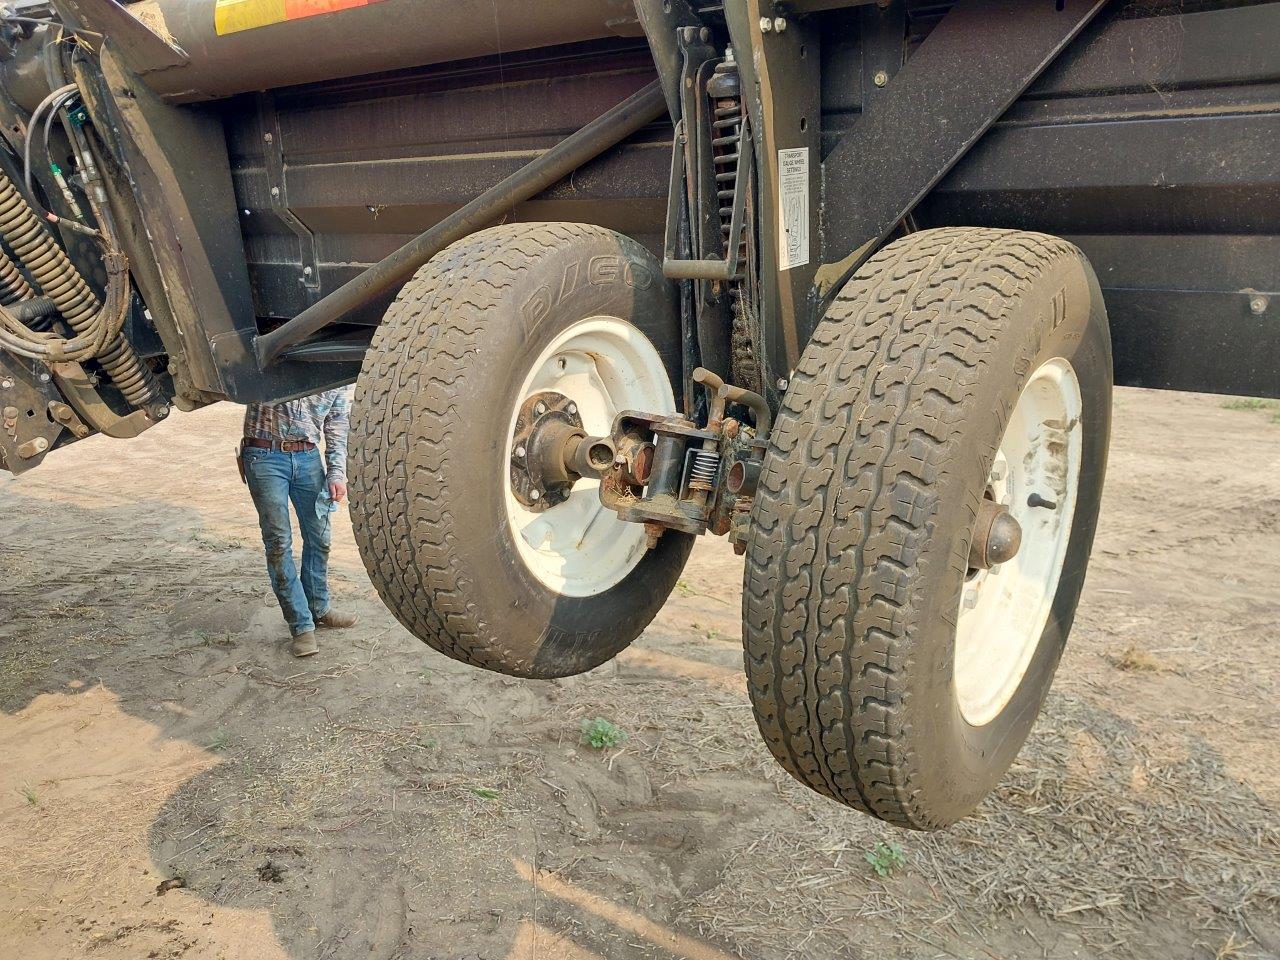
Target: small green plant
220, 740
1248, 403
485, 793
30, 796
602, 734
885, 858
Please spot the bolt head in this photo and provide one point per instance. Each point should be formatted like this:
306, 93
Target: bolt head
540, 408
970, 598
573, 408
520, 451
1258, 305
779, 24
535, 495
881, 78
766, 25
783, 383
42, 444
44, 378
307, 271
275, 191
6, 383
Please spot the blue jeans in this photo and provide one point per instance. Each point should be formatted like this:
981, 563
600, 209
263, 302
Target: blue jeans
275, 479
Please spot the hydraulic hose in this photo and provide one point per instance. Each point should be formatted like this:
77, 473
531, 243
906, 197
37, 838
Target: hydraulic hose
59, 280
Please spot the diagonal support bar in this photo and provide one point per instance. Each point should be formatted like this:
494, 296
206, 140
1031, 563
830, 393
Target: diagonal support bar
967, 73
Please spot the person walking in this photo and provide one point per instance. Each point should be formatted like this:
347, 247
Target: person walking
281, 464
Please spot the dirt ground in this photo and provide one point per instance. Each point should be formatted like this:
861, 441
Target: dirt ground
173, 784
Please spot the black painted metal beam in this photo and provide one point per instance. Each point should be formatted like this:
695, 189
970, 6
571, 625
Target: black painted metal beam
969, 70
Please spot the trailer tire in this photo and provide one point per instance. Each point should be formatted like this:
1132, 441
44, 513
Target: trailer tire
873, 681
509, 310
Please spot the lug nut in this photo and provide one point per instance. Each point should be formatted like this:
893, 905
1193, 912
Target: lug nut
535, 495
540, 408
520, 451
766, 25
573, 408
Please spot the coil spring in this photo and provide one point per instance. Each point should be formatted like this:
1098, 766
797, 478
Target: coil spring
13, 285
726, 140
703, 470
62, 283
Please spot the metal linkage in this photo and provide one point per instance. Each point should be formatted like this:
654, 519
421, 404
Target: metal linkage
671, 475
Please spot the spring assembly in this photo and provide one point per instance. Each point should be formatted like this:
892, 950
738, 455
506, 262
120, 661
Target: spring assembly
13, 285
726, 138
703, 470
59, 280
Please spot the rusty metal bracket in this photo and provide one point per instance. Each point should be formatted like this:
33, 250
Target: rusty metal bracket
79, 389
28, 430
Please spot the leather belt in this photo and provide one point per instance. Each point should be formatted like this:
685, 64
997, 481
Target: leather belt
283, 446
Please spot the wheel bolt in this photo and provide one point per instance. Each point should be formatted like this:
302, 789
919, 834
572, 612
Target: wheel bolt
535, 495
573, 408
520, 452
540, 408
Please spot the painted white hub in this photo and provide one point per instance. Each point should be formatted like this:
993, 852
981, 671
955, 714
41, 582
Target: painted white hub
1003, 611
604, 365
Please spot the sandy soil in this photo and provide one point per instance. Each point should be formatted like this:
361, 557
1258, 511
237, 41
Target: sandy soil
380, 801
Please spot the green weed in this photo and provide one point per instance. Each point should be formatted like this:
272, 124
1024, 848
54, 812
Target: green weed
602, 734
485, 793
1248, 403
885, 858
220, 740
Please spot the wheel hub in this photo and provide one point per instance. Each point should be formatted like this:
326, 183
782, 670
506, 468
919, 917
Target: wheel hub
996, 536
547, 435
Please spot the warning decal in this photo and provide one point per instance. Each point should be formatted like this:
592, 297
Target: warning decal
232, 16
793, 207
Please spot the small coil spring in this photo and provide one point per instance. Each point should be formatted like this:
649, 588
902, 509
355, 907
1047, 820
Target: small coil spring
703, 470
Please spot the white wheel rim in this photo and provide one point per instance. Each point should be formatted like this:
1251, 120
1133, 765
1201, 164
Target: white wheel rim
1003, 611
579, 548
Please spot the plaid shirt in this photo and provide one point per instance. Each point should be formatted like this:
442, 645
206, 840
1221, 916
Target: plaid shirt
325, 414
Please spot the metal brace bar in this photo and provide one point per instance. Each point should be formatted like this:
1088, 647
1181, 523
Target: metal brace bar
273, 160
937, 107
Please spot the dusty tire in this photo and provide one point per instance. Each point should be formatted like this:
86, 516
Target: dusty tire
861, 530
430, 442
